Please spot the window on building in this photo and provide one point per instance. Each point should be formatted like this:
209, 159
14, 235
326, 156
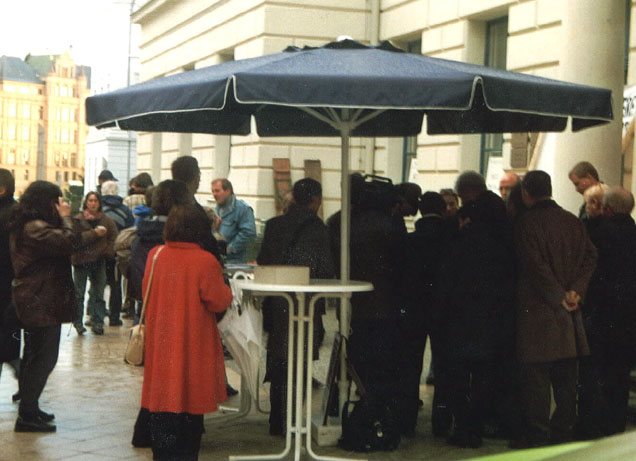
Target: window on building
11, 133
11, 157
58, 113
64, 135
66, 176
13, 109
65, 159
65, 114
58, 159
72, 135
58, 177
74, 160
73, 115
63, 91
9, 88
409, 152
26, 133
496, 45
56, 90
41, 110
26, 111
26, 174
25, 156
24, 90
74, 175
58, 135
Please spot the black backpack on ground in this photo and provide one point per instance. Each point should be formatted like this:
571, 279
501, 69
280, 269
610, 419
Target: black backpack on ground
371, 425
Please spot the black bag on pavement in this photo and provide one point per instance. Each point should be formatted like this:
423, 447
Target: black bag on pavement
370, 426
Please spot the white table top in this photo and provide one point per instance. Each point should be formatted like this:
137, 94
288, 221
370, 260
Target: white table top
314, 286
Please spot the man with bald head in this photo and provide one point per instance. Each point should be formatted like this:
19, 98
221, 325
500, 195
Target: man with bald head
612, 300
507, 182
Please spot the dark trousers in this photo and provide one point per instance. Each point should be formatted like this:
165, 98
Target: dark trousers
441, 415
536, 379
176, 436
41, 347
413, 333
470, 394
616, 364
113, 280
376, 351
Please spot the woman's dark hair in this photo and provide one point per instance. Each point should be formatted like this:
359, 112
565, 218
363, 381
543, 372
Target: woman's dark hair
99, 199
37, 202
167, 194
187, 223
143, 180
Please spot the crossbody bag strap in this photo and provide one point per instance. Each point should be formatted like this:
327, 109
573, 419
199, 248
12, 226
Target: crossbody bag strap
142, 317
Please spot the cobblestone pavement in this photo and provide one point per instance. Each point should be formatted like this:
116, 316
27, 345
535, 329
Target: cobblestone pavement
95, 397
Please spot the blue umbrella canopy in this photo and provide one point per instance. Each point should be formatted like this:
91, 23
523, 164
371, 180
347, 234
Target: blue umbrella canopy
377, 91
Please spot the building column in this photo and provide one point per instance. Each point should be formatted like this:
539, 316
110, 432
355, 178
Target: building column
593, 48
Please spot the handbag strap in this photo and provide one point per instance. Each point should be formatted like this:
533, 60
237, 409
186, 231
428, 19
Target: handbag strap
142, 316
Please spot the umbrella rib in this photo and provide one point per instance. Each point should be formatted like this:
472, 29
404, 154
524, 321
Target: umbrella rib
314, 113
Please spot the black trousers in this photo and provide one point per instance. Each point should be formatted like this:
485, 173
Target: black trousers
536, 379
413, 334
441, 415
41, 348
176, 436
616, 364
470, 393
113, 280
376, 351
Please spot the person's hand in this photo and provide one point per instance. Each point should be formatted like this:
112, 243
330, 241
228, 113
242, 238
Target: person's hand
571, 301
100, 230
63, 208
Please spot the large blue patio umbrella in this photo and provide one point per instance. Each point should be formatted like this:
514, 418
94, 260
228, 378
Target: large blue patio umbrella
349, 89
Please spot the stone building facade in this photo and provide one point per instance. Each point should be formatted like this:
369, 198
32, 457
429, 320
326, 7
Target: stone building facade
42, 119
582, 41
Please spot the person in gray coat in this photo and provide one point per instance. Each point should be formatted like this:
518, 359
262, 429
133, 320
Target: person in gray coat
555, 262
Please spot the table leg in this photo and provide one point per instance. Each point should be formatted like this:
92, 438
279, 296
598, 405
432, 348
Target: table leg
290, 357
310, 356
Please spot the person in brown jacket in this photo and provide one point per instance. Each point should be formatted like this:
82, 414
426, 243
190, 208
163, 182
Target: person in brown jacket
555, 262
41, 240
98, 233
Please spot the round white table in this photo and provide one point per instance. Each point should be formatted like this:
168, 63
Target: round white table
303, 319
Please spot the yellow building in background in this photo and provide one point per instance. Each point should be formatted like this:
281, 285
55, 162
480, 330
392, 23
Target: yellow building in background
42, 119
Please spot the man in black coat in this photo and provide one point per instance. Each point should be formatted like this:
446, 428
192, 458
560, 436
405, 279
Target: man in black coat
612, 299
427, 249
474, 316
297, 238
9, 330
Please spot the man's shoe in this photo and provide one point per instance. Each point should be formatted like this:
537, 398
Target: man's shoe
98, 330
16, 397
80, 329
230, 390
46, 417
115, 323
36, 424
88, 323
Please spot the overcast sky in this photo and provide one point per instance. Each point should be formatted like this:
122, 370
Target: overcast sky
96, 32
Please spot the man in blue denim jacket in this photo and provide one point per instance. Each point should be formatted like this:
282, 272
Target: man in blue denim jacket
237, 221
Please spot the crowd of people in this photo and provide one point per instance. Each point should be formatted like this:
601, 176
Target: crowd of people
518, 297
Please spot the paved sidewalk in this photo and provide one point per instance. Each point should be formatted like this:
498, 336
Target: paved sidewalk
95, 397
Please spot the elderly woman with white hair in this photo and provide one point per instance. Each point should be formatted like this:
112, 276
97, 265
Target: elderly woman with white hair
113, 207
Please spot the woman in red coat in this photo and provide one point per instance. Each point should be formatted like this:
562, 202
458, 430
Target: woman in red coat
184, 375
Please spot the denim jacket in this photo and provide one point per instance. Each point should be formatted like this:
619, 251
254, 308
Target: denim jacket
238, 228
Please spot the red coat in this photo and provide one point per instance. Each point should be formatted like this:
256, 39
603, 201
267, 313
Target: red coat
184, 369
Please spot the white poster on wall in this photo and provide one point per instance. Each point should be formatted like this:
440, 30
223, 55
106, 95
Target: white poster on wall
629, 106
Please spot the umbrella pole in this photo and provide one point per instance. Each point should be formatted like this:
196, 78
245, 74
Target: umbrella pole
345, 214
